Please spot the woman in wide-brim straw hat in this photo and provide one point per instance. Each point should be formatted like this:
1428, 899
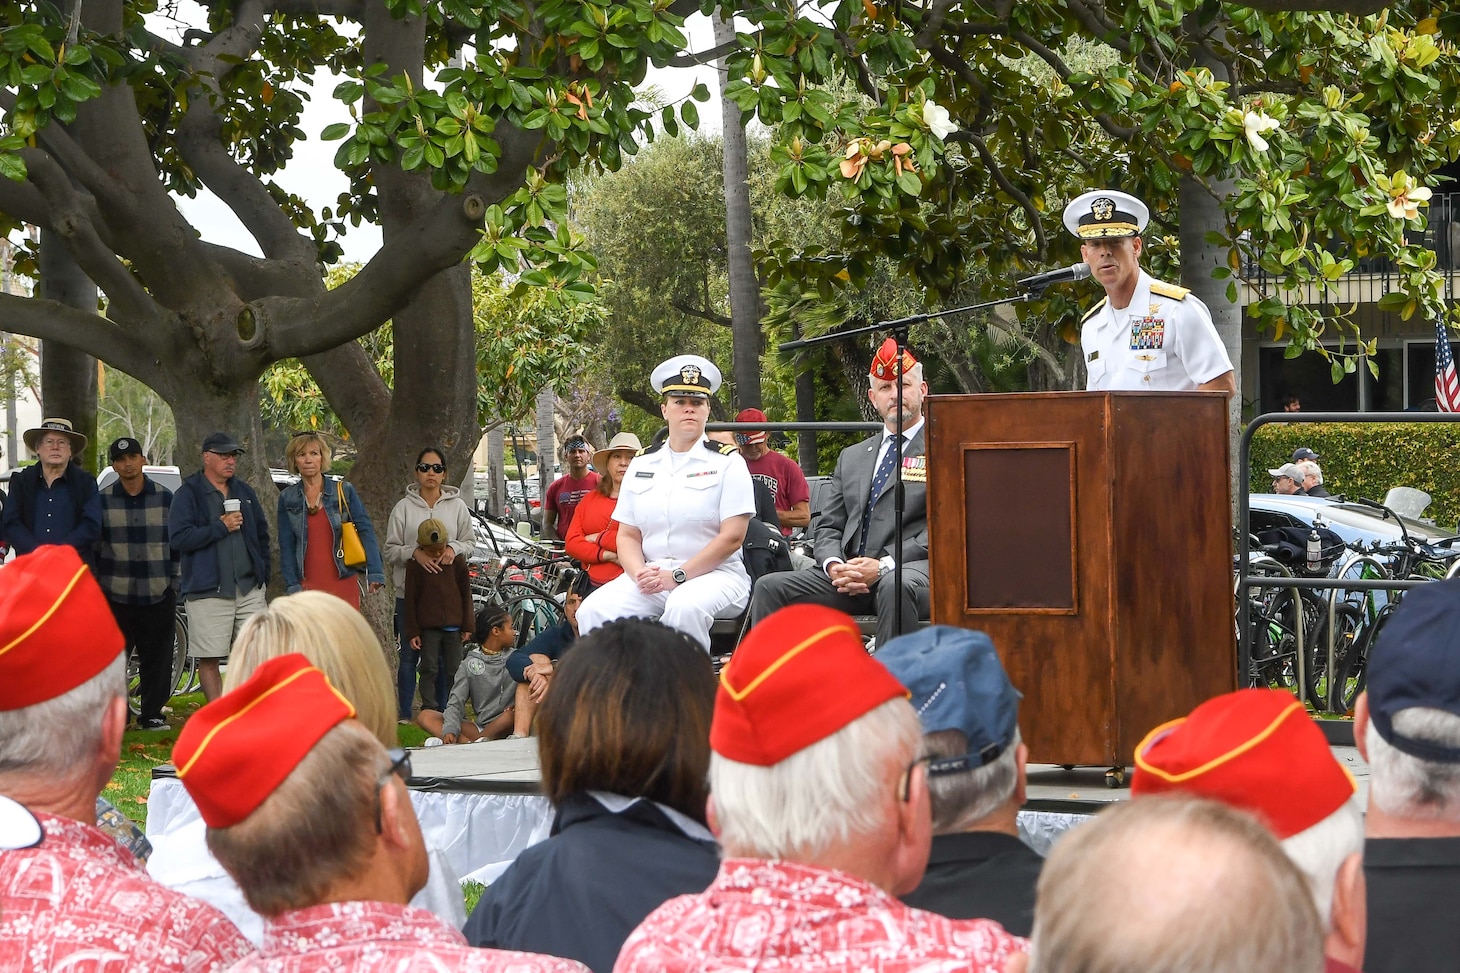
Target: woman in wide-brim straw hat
593, 535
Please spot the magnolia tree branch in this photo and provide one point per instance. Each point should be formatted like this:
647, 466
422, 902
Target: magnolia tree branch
85, 331
353, 387
296, 328
24, 202
70, 221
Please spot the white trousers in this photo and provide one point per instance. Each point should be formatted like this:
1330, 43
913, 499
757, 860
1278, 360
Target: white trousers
691, 607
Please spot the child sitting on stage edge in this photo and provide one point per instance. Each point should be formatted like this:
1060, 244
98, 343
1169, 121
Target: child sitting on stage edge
482, 677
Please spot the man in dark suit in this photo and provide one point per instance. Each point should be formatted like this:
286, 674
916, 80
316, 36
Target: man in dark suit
854, 539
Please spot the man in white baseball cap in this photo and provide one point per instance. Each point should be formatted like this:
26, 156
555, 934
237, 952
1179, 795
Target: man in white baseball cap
1146, 335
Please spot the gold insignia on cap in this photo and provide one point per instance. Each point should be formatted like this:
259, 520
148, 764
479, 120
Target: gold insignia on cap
1102, 208
690, 374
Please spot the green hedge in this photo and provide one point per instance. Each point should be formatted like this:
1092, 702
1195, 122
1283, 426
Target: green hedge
1366, 460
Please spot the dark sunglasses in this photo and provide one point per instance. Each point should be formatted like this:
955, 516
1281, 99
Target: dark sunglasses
430, 467
400, 766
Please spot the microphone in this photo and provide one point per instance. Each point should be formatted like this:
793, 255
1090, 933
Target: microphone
1062, 276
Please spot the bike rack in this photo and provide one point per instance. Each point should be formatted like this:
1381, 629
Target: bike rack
1244, 510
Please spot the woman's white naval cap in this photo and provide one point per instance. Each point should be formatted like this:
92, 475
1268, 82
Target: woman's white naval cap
686, 375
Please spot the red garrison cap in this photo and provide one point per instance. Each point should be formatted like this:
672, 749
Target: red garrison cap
884, 365
56, 628
799, 676
752, 415
234, 752
1256, 750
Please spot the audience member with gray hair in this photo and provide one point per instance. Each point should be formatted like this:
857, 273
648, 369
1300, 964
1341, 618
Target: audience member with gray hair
1259, 751
1312, 478
978, 868
819, 797
1172, 885
1407, 726
71, 897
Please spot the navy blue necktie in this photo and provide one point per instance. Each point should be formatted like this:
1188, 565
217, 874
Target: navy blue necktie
879, 481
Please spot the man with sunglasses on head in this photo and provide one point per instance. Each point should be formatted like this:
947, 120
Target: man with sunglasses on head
218, 526
561, 499
311, 816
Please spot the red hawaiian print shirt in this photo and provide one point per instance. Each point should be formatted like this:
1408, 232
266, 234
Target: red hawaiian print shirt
772, 916
78, 900
375, 937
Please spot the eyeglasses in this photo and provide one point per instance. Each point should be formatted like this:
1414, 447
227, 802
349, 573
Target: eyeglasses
400, 766
430, 467
904, 783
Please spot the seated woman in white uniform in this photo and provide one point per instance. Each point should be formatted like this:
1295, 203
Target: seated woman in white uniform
682, 512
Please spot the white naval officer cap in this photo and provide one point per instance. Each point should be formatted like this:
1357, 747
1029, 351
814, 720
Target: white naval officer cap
1106, 214
686, 375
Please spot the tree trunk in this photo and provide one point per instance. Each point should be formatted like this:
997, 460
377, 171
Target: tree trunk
745, 307
547, 445
805, 412
68, 376
496, 470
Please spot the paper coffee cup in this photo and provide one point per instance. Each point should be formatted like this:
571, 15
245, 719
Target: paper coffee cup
232, 506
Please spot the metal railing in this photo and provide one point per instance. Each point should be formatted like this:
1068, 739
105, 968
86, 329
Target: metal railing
1246, 581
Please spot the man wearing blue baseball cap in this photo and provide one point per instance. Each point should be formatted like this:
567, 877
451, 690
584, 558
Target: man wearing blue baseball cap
1407, 726
978, 868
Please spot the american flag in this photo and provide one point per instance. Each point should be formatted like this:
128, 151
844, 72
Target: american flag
1447, 385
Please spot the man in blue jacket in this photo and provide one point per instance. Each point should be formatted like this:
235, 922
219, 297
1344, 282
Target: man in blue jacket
55, 501
217, 524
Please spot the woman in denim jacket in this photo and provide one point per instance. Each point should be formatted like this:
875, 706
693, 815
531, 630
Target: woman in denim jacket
310, 554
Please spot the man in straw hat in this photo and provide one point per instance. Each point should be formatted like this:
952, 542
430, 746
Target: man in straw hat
1259, 751
70, 896
1145, 334
855, 541
820, 800
311, 816
53, 501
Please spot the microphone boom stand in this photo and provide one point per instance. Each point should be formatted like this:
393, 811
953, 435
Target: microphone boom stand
899, 328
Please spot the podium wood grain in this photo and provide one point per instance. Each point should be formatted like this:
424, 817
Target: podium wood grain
1089, 534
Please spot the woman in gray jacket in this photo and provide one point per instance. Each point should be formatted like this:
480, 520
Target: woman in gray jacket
429, 496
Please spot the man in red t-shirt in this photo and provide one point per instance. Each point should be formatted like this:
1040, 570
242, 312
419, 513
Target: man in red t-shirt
561, 499
780, 475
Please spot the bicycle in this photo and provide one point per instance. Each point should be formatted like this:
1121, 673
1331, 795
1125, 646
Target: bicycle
184, 668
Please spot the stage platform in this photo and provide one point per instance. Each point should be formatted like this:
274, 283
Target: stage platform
479, 803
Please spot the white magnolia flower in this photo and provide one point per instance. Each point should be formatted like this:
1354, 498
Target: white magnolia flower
1254, 123
936, 117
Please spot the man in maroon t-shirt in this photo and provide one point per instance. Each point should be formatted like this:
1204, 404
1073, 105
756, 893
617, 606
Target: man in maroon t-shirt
780, 475
561, 499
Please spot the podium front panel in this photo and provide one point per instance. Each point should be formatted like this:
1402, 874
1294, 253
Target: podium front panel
1088, 534
1033, 524
1059, 658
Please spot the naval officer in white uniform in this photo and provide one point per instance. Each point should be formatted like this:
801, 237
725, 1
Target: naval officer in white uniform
682, 513
1146, 335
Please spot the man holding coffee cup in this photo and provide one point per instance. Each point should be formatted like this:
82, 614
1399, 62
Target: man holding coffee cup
218, 526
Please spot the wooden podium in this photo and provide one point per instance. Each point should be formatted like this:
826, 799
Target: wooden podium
1089, 534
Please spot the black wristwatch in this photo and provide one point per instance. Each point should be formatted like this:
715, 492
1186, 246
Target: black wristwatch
679, 576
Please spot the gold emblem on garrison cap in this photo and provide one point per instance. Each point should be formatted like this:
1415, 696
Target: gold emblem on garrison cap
686, 375
1106, 214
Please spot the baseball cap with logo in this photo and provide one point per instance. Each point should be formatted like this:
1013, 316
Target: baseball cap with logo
751, 438
123, 447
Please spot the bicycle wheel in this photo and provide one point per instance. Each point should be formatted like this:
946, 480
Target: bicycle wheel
1274, 621
1348, 623
533, 610
184, 670
1356, 667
